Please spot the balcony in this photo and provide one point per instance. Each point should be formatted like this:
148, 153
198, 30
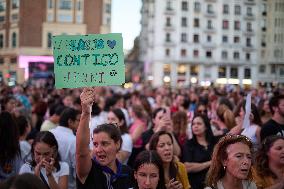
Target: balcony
209, 30
170, 11
249, 32
249, 17
249, 2
169, 27
210, 0
210, 14
248, 48
209, 45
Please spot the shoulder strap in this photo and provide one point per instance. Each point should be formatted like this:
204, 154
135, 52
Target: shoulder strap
43, 180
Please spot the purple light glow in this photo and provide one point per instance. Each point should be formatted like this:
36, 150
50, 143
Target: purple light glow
25, 60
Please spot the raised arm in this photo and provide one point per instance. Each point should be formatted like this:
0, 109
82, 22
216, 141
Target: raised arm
83, 159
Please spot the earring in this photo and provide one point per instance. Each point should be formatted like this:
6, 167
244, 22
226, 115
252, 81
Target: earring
224, 168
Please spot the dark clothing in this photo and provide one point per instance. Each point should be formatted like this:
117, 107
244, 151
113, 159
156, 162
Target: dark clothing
271, 127
99, 178
146, 136
193, 152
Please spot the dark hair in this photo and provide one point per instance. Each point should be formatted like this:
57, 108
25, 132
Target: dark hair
111, 129
227, 102
274, 102
255, 113
22, 124
9, 139
216, 170
261, 159
96, 110
150, 157
208, 131
156, 111
59, 109
153, 146
23, 181
120, 115
49, 139
68, 113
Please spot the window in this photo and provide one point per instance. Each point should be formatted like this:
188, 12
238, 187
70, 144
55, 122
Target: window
237, 25
194, 70
226, 9
168, 21
273, 69
50, 4
184, 6
2, 18
169, 5
249, 27
1, 41
248, 42
195, 53
209, 24
249, 11
196, 22
65, 18
247, 73
168, 37
79, 19
1, 61
210, 9
197, 7
15, 4
262, 69
49, 40
209, 38
247, 56
222, 72
65, 4
237, 9
234, 73
108, 8
183, 37
236, 55
208, 54
14, 39
183, 22
225, 24
225, 39
167, 52
236, 39
224, 55
79, 5
14, 17
196, 38
183, 52
2, 5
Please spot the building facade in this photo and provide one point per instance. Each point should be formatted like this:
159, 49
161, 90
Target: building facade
210, 41
27, 27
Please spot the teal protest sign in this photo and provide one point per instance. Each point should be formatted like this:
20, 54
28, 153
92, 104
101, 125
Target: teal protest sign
88, 60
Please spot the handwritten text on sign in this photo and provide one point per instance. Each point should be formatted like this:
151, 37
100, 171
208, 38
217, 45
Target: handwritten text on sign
88, 60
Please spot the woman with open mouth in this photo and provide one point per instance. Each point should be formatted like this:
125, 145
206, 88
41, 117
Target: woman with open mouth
231, 164
269, 163
103, 170
174, 171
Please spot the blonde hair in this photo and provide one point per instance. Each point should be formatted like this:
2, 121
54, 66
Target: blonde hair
226, 115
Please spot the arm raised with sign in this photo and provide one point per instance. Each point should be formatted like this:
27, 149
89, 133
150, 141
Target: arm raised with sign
84, 161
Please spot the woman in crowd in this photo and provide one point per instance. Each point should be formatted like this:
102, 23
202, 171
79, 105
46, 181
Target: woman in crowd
46, 162
103, 170
180, 126
116, 116
174, 171
9, 104
10, 153
148, 171
197, 151
231, 164
269, 164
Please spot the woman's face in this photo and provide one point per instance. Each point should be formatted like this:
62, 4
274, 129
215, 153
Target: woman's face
10, 105
198, 126
105, 148
111, 118
276, 152
147, 176
158, 118
43, 151
165, 148
238, 163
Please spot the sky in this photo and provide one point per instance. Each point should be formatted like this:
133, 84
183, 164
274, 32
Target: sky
126, 20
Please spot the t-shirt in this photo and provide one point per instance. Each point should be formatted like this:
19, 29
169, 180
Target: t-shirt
98, 179
271, 128
146, 136
64, 170
246, 185
126, 144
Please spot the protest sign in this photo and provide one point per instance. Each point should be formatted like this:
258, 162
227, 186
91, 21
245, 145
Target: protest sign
88, 60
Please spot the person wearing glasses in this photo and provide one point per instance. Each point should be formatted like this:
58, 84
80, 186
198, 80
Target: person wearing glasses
103, 170
269, 164
231, 164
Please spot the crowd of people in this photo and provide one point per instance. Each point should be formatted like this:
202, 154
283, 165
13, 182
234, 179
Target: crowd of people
145, 138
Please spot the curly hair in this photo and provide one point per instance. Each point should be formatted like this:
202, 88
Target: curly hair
216, 170
261, 159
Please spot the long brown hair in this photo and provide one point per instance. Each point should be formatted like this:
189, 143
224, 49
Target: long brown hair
216, 170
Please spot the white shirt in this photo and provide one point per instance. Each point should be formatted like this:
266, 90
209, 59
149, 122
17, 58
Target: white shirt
246, 185
126, 145
64, 170
67, 149
25, 149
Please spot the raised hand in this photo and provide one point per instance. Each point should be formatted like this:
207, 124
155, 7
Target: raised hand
87, 99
